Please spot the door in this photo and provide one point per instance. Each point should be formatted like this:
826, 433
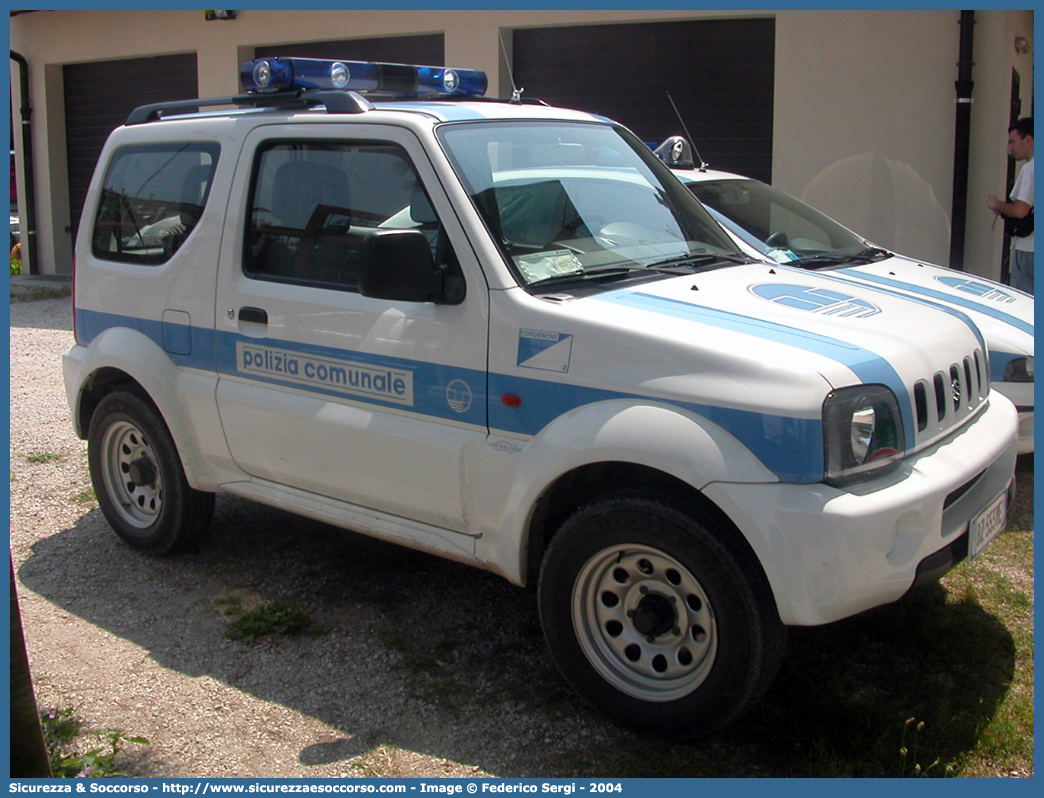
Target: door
426, 48
321, 389
98, 97
718, 73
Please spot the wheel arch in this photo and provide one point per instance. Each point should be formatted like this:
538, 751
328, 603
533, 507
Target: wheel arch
598, 450
124, 359
99, 383
595, 481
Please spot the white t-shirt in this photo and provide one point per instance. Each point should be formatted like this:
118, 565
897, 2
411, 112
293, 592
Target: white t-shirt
1023, 190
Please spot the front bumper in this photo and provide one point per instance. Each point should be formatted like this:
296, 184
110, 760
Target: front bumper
935, 566
831, 553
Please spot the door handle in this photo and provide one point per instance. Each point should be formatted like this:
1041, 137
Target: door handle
255, 315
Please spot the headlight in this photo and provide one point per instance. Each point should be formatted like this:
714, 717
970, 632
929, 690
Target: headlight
862, 433
1019, 370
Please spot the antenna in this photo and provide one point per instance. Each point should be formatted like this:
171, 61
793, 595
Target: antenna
516, 92
692, 141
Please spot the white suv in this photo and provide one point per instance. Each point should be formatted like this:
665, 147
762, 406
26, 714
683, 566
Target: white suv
506, 334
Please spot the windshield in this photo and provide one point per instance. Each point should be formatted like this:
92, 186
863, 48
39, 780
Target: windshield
781, 226
581, 202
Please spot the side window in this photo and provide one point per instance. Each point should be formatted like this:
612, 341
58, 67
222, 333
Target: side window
152, 198
312, 204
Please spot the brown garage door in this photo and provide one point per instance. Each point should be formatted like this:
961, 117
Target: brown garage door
426, 49
718, 72
98, 97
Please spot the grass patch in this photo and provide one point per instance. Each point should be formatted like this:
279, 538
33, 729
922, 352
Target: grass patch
383, 761
234, 603
74, 752
43, 457
86, 496
277, 619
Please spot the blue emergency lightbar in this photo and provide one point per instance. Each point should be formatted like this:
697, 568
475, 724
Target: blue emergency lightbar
263, 75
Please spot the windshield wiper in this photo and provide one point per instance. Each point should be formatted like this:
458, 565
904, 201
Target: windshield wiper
820, 260
871, 254
868, 255
699, 260
593, 272
684, 264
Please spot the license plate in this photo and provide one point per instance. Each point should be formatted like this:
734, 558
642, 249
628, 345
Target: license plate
987, 525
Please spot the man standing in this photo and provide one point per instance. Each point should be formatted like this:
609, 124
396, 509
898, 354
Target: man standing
1019, 207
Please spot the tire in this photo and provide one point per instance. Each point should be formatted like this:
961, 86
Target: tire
138, 477
656, 618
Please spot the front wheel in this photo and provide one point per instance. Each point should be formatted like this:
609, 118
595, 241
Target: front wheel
138, 477
656, 617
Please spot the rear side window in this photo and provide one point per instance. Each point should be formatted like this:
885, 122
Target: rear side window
313, 203
152, 198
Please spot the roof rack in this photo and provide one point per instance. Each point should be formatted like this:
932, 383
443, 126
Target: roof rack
283, 82
336, 102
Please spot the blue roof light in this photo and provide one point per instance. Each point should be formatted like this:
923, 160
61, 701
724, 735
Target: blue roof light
264, 75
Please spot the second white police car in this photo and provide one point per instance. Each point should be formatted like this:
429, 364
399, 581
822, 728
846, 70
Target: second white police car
778, 227
506, 334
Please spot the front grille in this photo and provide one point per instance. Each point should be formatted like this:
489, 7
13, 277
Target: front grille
950, 394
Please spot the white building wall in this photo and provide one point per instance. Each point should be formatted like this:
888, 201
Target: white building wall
865, 122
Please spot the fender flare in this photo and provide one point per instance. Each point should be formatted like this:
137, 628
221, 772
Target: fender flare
169, 388
657, 436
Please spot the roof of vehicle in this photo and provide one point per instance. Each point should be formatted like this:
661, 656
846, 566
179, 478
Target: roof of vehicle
456, 111
442, 110
678, 153
701, 175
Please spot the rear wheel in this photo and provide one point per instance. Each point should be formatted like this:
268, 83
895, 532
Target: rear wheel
138, 477
655, 619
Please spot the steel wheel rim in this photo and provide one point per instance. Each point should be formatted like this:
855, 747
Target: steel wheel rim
625, 598
126, 451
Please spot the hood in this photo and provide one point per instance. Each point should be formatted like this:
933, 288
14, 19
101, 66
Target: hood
1003, 314
787, 331
812, 312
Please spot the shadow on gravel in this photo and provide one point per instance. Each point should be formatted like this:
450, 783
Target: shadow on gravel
419, 653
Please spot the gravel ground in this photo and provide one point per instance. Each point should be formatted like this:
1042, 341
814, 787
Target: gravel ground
418, 666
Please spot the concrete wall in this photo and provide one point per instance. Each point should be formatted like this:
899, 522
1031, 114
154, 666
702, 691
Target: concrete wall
864, 105
864, 122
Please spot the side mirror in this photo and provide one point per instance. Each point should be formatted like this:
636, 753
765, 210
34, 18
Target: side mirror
676, 152
398, 265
